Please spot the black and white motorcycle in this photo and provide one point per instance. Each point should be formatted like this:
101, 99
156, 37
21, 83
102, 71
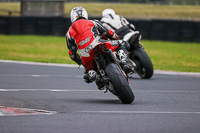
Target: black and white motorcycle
138, 57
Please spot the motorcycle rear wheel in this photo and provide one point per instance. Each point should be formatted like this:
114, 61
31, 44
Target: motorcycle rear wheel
120, 83
143, 63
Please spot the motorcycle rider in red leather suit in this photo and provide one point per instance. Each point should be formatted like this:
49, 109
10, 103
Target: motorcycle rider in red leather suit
83, 34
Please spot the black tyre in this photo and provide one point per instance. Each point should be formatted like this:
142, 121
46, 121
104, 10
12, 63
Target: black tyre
143, 62
120, 84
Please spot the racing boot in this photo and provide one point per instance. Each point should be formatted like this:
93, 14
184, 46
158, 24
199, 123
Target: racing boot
99, 82
90, 76
124, 61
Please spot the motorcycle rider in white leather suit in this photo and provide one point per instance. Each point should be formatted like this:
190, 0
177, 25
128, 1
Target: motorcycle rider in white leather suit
120, 26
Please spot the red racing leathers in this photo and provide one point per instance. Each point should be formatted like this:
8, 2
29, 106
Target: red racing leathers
83, 35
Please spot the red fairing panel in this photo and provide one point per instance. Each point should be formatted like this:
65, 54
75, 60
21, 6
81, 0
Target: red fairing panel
89, 63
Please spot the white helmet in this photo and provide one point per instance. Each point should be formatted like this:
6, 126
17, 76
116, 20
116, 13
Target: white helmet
77, 12
108, 11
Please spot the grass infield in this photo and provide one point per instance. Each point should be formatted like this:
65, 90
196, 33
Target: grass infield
175, 56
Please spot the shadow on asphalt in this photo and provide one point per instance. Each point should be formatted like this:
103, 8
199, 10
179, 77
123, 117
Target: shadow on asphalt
100, 101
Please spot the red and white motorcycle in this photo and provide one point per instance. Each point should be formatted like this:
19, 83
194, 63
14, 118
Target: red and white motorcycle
103, 68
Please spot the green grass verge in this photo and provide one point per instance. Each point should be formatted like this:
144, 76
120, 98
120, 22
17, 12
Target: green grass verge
138, 11
34, 48
173, 56
141, 11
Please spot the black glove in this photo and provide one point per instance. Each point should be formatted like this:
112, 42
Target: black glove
78, 60
75, 57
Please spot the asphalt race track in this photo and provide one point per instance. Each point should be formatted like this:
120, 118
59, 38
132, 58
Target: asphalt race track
167, 103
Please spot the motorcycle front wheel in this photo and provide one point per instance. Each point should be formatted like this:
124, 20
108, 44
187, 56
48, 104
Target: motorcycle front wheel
144, 66
120, 83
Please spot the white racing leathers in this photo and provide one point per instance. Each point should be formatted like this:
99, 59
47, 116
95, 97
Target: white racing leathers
120, 25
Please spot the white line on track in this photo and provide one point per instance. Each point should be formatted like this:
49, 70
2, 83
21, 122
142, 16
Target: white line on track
75, 90
177, 73
137, 112
164, 91
31, 75
53, 90
41, 64
76, 66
